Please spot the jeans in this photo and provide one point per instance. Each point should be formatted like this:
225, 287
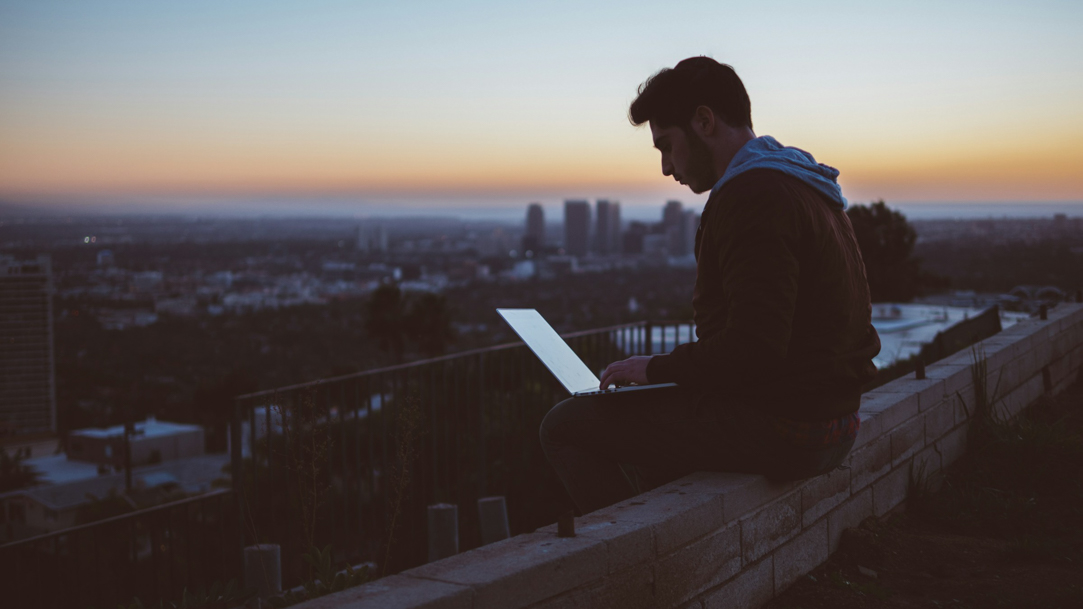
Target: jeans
666, 433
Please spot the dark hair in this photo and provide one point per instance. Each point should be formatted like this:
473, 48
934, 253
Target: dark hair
671, 96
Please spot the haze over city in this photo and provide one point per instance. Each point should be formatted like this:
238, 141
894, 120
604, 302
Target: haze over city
362, 108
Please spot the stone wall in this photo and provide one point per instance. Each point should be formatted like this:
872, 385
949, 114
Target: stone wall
733, 540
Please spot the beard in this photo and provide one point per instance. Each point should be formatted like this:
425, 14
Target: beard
700, 174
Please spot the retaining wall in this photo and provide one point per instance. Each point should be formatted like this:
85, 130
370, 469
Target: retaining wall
733, 540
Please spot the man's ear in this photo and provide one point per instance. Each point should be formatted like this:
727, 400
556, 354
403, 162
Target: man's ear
704, 121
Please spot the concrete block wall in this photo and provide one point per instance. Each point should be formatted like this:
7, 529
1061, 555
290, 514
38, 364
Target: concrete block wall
733, 540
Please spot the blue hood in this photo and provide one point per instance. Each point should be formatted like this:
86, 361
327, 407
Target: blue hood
766, 153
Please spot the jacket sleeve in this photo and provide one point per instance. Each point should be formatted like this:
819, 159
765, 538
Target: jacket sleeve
757, 236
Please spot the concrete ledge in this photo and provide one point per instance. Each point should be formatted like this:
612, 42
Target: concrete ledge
733, 540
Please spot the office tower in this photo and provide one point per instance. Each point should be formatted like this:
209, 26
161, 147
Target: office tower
691, 226
372, 239
632, 241
672, 214
607, 227
534, 237
27, 376
576, 227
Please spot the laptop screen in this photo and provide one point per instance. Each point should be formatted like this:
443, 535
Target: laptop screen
551, 349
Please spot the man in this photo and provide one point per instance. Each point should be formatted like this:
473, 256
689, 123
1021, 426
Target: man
784, 338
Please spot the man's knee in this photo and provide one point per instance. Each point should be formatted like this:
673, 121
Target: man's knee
558, 418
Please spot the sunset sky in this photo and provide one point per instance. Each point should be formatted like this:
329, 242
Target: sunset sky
500, 103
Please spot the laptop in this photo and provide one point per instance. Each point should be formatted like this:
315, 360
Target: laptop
558, 357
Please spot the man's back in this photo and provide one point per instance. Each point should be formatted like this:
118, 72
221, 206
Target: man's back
781, 302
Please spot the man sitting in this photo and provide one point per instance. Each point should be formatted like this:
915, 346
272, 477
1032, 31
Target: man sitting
783, 318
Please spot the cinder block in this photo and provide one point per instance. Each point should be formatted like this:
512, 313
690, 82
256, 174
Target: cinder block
952, 446
1018, 371
870, 429
521, 570
848, 515
926, 464
398, 591
869, 463
962, 405
927, 391
1024, 395
800, 555
741, 493
627, 543
770, 527
1060, 369
891, 408
689, 571
907, 439
674, 516
890, 491
940, 420
752, 588
821, 494
955, 377
632, 588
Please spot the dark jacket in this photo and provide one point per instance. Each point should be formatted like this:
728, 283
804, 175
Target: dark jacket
782, 310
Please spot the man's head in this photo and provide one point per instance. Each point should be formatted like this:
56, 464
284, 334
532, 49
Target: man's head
699, 116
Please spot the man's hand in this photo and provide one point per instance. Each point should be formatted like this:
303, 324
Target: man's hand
632, 371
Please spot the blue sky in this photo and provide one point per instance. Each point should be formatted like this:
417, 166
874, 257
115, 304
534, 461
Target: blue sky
447, 103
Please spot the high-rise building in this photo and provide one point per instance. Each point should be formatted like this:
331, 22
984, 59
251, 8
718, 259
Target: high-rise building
673, 228
372, 239
691, 227
534, 237
607, 227
576, 227
27, 373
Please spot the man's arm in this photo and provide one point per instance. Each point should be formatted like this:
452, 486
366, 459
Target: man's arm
757, 237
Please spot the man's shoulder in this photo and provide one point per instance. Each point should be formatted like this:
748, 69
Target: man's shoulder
758, 192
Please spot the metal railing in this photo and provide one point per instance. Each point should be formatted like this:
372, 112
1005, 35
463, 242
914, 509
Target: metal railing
321, 463
152, 554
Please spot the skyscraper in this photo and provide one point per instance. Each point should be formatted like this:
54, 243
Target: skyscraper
576, 227
534, 237
673, 227
27, 376
607, 227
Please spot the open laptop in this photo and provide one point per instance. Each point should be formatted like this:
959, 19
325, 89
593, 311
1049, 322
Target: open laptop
558, 357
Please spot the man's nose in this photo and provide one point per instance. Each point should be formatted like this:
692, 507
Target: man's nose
667, 168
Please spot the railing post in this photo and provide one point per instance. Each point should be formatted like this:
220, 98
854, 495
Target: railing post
493, 519
443, 531
237, 466
650, 339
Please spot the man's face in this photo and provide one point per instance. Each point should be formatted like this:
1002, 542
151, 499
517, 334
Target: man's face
685, 157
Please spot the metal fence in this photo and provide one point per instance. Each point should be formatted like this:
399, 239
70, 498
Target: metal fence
332, 461
151, 554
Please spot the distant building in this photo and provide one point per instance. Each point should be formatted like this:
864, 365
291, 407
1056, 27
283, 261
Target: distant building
105, 258
534, 238
27, 370
607, 227
691, 227
152, 441
576, 228
673, 226
632, 240
372, 239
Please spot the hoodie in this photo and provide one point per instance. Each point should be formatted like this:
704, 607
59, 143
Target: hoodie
766, 153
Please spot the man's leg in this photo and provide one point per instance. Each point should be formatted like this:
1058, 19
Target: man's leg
666, 433
663, 431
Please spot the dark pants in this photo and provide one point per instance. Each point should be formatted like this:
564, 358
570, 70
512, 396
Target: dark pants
666, 433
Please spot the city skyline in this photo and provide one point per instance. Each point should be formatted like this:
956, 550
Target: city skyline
202, 106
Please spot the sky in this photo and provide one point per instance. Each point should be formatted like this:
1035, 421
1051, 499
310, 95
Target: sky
361, 106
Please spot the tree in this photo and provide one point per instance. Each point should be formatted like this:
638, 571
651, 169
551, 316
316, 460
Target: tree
428, 324
384, 321
887, 242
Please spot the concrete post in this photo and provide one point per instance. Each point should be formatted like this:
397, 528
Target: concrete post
443, 531
263, 568
493, 516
